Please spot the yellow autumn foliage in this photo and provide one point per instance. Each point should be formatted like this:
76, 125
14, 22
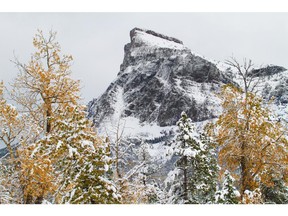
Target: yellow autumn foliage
251, 144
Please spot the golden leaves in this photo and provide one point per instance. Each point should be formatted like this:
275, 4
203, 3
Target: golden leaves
44, 84
246, 137
36, 175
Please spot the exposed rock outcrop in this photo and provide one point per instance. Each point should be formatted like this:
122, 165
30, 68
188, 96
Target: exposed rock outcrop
158, 79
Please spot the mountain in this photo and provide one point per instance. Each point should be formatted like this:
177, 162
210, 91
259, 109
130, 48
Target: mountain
158, 79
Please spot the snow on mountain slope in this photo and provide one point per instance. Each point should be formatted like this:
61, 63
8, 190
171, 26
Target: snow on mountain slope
274, 91
158, 79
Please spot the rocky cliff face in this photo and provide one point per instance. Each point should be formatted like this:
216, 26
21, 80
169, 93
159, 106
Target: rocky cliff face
158, 79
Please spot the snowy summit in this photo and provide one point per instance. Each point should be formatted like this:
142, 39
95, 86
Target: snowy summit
153, 39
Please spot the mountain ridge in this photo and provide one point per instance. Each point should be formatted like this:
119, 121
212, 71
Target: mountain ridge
157, 81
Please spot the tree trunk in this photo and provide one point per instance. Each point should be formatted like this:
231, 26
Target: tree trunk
28, 199
9, 147
243, 161
48, 118
39, 200
117, 161
185, 182
244, 172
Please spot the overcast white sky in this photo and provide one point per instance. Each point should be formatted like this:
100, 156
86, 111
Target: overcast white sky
96, 40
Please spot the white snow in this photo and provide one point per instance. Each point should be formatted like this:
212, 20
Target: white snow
87, 143
158, 152
171, 176
155, 41
131, 127
72, 150
190, 152
119, 104
194, 90
59, 144
186, 137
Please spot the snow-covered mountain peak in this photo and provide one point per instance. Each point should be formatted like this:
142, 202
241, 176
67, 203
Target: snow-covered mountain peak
158, 79
143, 37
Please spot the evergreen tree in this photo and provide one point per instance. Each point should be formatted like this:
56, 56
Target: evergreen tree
208, 171
194, 178
228, 193
80, 160
276, 193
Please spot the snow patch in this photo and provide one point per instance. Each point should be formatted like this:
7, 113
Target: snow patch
154, 41
119, 104
131, 126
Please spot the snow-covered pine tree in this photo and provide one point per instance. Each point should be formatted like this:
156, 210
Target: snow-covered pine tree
228, 194
194, 178
276, 193
208, 171
80, 160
